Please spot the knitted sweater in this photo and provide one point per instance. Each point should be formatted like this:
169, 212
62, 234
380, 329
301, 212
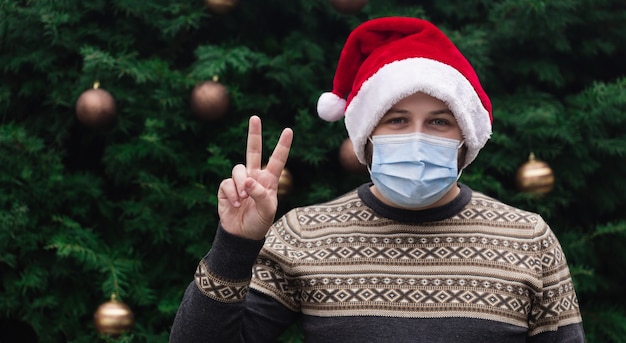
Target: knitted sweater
356, 270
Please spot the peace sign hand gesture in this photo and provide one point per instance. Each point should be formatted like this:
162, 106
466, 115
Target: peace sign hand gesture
247, 202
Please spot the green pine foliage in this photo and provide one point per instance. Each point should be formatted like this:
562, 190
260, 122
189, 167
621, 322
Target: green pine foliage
130, 208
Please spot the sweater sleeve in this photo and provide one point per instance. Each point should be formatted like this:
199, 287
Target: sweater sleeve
555, 314
218, 307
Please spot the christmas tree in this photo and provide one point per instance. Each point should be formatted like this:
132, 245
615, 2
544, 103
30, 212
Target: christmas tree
117, 195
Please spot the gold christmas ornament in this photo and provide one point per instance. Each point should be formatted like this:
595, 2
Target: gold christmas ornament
113, 318
210, 100
285, 183
348, 159
535, 176
95, 107
221, 6
348, 6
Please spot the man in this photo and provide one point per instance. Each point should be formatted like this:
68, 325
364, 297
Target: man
413, 256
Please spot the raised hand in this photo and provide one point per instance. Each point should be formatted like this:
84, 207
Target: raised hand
247, 201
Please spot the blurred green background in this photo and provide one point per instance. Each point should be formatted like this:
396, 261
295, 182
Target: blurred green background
128, 208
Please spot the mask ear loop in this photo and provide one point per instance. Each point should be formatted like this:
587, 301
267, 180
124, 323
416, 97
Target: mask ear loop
369, 169
461, 170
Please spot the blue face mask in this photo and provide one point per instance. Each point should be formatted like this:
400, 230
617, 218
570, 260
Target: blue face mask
414, 170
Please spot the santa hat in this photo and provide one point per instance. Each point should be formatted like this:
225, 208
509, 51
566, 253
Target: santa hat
385, 60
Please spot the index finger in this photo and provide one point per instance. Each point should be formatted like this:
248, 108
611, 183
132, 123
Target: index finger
254, 146
277, 161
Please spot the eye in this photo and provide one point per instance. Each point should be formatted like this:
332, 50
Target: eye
397, 120
439, 122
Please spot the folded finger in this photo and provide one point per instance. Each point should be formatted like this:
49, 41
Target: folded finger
239, 176
228, 191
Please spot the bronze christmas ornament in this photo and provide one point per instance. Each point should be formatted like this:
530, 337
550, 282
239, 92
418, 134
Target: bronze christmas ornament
348, 159
285, 183
221, 6
535, 176
113, 318
348, 6
95, 107
210, 100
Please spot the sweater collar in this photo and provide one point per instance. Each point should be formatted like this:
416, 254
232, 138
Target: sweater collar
402, 215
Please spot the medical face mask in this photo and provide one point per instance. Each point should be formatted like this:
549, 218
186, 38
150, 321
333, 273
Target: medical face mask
414, 170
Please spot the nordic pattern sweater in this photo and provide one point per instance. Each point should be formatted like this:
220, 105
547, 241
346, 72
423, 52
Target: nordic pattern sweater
356, 270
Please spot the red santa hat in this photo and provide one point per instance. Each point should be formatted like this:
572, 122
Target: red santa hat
387, 59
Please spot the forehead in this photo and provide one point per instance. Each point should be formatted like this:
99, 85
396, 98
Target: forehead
420, 99
422, 105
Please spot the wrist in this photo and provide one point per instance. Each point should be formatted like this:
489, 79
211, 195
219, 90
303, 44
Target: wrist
254, 235
232, 256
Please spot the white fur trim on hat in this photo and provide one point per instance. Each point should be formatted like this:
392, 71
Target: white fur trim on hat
400, 79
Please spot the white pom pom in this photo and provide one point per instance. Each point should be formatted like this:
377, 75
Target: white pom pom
330, 107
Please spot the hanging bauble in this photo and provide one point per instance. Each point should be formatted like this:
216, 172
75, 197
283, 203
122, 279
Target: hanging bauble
348, 6
221, 6
534, 176
113, 318
348, 159
210, 100
95, 107
285, 183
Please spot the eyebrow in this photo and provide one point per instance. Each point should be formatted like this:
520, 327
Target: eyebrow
435, 112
